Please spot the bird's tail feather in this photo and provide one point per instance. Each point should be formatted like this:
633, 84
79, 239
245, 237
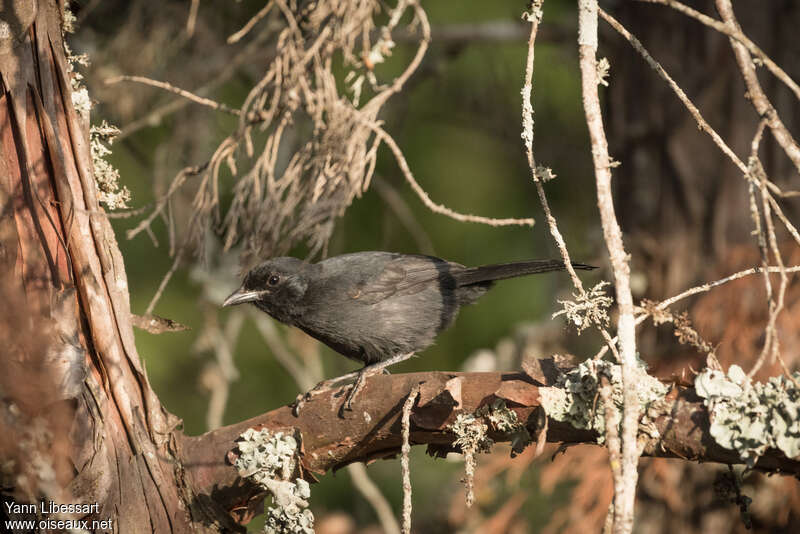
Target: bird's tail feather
501, 271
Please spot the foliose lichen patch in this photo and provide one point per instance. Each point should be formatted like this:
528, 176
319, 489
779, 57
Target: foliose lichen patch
575, 398
270, 460
750, 417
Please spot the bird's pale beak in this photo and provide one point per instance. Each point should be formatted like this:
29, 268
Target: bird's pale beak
240, 296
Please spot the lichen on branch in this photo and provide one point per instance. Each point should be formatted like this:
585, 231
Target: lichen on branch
270, 460
576, 400
750, 417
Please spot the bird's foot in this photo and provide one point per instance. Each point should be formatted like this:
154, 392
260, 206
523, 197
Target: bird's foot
360, 376
366, 372
322, 387
356, 387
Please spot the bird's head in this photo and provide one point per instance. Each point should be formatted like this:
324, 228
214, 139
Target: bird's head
275, 286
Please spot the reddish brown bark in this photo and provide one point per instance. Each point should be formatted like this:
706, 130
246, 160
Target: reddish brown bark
372, 430
114, 446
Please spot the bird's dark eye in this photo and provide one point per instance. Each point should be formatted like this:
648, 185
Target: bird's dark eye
273, 280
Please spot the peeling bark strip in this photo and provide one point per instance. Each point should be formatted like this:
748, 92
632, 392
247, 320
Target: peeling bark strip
372, 430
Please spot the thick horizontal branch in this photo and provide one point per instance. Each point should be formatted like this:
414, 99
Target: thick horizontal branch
372, 430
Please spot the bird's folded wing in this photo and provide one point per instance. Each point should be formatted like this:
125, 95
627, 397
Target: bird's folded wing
405, 275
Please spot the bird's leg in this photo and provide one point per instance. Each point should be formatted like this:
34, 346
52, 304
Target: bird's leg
359, 376
368, 371
323, 386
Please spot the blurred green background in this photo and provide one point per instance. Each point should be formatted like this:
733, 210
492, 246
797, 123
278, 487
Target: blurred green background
458, 123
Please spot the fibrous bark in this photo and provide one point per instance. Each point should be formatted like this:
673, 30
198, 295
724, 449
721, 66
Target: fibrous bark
76, 366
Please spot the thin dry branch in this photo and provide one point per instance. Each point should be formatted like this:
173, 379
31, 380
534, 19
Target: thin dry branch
367, 488
656, 66
430, 204
716, 283
624, 494
754, 91
405, 450
191, 21
175, 90
703, 288
527, 135
537, 172
763, 233
399, 207
734, 33
236, 37
771, 342
258, 47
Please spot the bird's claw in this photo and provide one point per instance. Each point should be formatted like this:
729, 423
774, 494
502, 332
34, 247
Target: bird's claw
299, 402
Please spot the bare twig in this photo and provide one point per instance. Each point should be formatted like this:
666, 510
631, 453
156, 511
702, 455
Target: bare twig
165, 280
734, 33
367, 488
716, 283
404, 452
754, 92
161, 205
625, 494
703, 288
191, 22
527, 136
538, 173
438, 208
257, 47
234, 38
771, 341
266, 327
219, 374
176, 90
755, 181
701, 122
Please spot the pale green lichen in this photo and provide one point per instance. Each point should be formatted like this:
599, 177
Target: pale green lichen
80, 95
575, 398
68, 19
603, 69
101, 137
535, 12
270, 460
471, 437
545, 174
589, 308
106, 176
750, 417
505, 420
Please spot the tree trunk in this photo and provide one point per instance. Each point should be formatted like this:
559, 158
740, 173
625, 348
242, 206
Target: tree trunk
73, 364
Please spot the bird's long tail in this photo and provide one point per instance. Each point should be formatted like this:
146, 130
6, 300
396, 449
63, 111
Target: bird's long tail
501, 271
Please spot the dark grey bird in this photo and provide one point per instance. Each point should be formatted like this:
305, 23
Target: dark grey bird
378, 308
